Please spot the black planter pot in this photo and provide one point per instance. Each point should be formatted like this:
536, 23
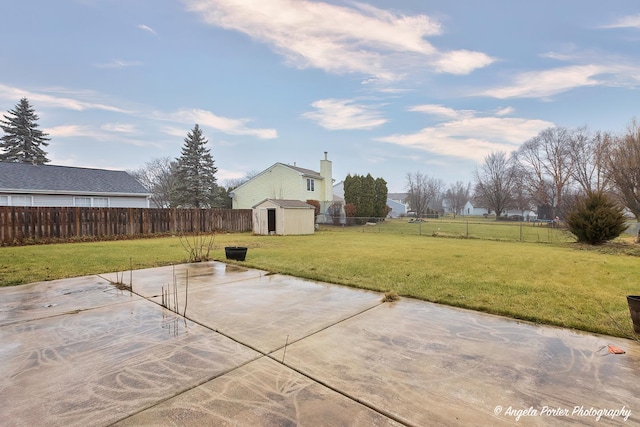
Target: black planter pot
634, 309
237, 253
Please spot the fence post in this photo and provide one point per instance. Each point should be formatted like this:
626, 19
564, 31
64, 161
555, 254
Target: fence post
521, 231
467, 229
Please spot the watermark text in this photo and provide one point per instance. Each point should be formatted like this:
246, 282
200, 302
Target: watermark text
555, 411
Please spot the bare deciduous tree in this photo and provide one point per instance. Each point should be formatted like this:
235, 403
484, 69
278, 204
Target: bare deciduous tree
547, 166
623, 165
589, 152
158, 176
457, 196
495, 182
423, 191
234, 183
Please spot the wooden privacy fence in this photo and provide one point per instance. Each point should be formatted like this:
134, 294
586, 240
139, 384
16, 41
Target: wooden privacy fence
19, 224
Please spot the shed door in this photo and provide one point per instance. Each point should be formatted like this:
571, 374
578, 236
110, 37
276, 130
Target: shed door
271, 220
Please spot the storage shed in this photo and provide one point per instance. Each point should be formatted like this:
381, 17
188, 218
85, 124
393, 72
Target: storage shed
283, 217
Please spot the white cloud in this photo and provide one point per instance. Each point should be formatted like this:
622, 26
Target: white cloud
71, 131
467, 135
208, 119
117, 63
119, 127
344, 114
505, 111
438, 111
540, 84
105, 133
83, 101
47, 100
147, 29
462, 62
631, 21
174, 131
359, 39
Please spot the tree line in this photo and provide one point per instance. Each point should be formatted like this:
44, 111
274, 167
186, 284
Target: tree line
548, 173
560, 166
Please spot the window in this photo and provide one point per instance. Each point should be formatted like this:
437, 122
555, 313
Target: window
310, 184
21, 201
84, 202
4, 200
100, 202
87, 202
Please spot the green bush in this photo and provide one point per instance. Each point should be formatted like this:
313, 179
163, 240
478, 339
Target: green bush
596, 219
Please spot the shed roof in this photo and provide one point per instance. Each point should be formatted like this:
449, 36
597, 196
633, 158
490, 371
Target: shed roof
288, 204
26, 177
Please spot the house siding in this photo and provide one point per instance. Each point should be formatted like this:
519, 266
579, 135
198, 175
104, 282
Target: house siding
66, 200
277, 182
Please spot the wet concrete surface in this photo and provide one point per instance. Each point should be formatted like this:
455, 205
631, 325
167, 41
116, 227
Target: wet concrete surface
81, 352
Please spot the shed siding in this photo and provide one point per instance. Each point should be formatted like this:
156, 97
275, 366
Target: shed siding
298, 221
289, 221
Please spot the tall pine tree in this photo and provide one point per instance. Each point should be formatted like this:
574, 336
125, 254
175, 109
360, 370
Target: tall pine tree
381, 198
22, 140
196, 184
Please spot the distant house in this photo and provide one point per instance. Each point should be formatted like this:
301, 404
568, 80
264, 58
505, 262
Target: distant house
283, 217
25, 184
398, 204
470, 209
287, 182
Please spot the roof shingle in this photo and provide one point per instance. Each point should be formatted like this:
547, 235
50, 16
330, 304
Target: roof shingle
27, 177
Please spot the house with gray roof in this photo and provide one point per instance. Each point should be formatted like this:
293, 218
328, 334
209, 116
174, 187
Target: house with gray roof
26, 184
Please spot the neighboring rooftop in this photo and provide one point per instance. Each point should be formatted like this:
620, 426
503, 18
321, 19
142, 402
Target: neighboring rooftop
305, 172
397, 196
60, 179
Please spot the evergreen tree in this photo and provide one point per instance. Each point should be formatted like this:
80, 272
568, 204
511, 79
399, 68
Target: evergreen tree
367, 195
352, 190
381, 198
596, 219
22, 139
196, 184
366, 208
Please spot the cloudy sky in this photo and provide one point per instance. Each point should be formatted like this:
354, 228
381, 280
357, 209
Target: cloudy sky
385, 87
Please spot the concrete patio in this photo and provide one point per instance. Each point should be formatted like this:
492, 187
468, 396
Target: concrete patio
250, 348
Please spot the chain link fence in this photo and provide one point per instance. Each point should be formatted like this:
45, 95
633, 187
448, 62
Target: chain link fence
475, 228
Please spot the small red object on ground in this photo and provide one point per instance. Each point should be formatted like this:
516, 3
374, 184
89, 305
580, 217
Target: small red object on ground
615, 350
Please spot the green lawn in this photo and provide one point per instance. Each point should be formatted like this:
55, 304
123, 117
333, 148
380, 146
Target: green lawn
560, 284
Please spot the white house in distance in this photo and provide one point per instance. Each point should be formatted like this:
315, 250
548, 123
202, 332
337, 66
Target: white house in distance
287, 182
471, 210
397, 203
25, 184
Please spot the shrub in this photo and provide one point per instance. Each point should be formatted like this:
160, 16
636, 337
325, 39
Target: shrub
316, 205
350, 212
596, 219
